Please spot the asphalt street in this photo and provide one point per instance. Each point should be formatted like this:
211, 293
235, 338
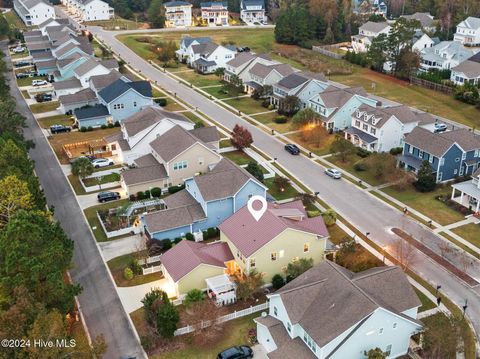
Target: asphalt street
99, 302
358, 207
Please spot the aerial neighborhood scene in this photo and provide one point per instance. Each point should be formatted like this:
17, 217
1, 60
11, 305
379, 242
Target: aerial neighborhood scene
240, 179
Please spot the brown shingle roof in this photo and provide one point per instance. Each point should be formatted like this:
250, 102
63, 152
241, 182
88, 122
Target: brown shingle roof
80, 96
99, 82
144, 174
206, 134
471, 69
240, 59
118, 137
147, 117
67, 84
328, 299
173, 218
467, 140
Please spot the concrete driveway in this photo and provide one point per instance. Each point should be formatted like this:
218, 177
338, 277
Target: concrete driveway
120, 247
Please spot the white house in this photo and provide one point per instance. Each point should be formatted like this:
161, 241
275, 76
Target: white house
467, 72
422, 41
34, 12
185, 51
469, 192
90, 10
140, 129
330, 312
381, 129
445, 55
252, 12
262, 75
425, 19
208, 56
92, 67
366, 33
215, 13
178, 14
468, 32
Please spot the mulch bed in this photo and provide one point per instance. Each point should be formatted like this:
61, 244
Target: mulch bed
440, 260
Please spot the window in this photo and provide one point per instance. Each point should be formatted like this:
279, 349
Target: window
309, 341
420, 154
134, 103
275, 311
365, 127
394, 325
180, 165
289, 327
442, 161
281, 253
252, 262
477, 153
410, 149
464, 156
294, 259
306, 247
200, 160
273, 256
380, 331
373, 131
457, 159
357, 123
455, 171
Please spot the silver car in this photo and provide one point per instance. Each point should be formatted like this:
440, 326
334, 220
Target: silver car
332, 172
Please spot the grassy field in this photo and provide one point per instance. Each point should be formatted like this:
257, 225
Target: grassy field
319, 149
14, 20
427, 304
469, 232
216, 91
288, 191
246, 105
92, 181
239, 157
427, 204
118, 265
267, 120
199, 80
173, 106
118, 24
44, 106
65, 120
94, 223
27, 81
366, 176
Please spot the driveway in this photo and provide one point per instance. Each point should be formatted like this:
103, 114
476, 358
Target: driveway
119, 247
358, 207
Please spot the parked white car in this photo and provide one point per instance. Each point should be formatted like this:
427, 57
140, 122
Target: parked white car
102, 162
18, 49
332, 172
39, 82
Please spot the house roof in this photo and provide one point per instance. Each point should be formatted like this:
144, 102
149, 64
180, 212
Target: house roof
99, 82
454, 49
41, 45
78, 97
471, 69
246, 3
118, 137
334, 97
205, 48
32, 3
84, 47
403, 113
202, 62
91, 63
425, 19
173, 142
206, 134
470, 23
223, 181
188, 255
476, 173
91, 112
241, 58
328, 299
214, 4
52, 63
262, 70
173, 217
147, 117
374, 26
60, 21
438, 143
42, 55
297, 79
67, 84
33, 33
65, 62
176, 3
119, 87
147, 173
249, 235
187, 40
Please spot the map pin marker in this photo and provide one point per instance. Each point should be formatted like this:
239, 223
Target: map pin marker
257, 213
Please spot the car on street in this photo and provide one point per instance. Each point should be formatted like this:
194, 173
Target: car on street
440, 127
238, 352
39, 82
108, 196
22, 75
22, 63
334, 173
43, 97
102, 162
18, 50
292, 149
59, 129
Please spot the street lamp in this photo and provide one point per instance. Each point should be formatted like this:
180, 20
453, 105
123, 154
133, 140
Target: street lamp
438, 288
465, 306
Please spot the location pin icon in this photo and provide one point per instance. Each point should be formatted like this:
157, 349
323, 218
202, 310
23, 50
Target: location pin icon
257, 213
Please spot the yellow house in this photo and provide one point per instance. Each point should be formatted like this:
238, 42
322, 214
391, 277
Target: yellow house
282, 235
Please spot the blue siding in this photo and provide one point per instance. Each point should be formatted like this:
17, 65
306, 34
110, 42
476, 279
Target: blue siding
252, 188
192, 188
217, 212
172, 233
468, 170
451, 166
95, 122
132, 102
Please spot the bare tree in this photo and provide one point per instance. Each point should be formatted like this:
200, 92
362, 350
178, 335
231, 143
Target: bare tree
465, 262
444, 248
404, 253
204, 318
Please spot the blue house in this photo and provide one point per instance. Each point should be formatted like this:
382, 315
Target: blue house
92, 116
451, 154
206, 201
123, 99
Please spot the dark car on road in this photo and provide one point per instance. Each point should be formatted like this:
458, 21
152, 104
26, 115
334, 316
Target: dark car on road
108, 196
59, 129
292, 149
43, 97
239, 352
22, 63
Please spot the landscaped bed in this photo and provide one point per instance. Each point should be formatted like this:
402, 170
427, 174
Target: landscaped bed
117, 267
94, 223
279, 194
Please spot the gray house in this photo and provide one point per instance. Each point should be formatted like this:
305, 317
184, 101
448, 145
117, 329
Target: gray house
469, 192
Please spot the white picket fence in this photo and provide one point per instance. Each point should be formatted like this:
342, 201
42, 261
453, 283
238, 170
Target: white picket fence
149, 260
119, 232
153, 269
224, 318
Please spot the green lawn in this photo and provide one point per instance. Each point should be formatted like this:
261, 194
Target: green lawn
268, 120
246, 105
117, 266
91, 214
199, 80
65, 120
14, 20
288, 191
118, 24
225, 143
366, 176
194, 118
427, 304
216, 92
427, 204
469, 232
44, 106
460, 244
27, 81
239, 157
91, 181
320, 149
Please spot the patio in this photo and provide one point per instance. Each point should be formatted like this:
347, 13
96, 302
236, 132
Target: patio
469, 194
221, 289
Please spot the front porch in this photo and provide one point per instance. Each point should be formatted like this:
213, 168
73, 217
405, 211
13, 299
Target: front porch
469, 195
361, 139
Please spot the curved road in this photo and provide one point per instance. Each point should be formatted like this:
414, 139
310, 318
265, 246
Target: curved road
361, 209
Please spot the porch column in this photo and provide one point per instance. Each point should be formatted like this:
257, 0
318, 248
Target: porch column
453, 193
461, 198
478, 206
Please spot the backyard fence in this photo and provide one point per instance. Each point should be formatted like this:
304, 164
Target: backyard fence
119, 232
327, 50
152, 269
222, 319
149, 260
431, 85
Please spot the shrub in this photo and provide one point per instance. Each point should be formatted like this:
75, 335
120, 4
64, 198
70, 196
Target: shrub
161, 101
205, 235
141, 195
255, 170
177, 240
199, 125
174, 189
189, 237
135, 267
361, 152
147, 194
156, 192
329, 217
110, 125
277, 281
103, 126
128, 274
194, 296
212, 232
360, 166
280, 119
132, 197
117, 124
83, 129
396, 151
89, 128
270, 107
166, 244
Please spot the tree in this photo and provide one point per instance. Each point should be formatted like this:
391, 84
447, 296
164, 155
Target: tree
36, 253
289, 105
219, 72
306, 198
404, 252
206, 312
329, 217
150, 302
294, 26
249, 285
14, 195
314, 135
155, 15
400, 38
342, 147
255, 170
442, 335
194, 296
277, 281
294, 269
281, 182
376, 54
407, 64
233, 87
426, 181
167, 318
165, 51
82, 167
305, 117
241, 137
376, 353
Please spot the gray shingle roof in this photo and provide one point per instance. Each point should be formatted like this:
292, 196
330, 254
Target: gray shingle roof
147, 117
206, 134
176, 3
91, 112
262, 70
471, 22
67, 84
245, 3
63, 21
173, 218
429, 142
31, 3
119, 87
373, 26
240, 59
208, 4
99, 82
41, 45
328, 299
471, 69
85, 95
425, 19
145, 174
205, 48
187, 41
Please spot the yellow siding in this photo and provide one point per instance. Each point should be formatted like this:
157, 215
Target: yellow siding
233, 249
142, 187
196, 278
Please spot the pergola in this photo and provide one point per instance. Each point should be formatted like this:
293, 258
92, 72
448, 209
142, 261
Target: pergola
221, 289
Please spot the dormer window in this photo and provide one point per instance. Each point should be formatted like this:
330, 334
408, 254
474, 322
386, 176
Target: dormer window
365, 117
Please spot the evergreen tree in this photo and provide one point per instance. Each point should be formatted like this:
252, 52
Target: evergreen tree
426, 181
155, 14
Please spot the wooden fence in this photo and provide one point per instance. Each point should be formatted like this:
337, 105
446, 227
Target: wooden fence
431, 85
224, 318
327, 50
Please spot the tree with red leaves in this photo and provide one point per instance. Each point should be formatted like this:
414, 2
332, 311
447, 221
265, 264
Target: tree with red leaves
241, 137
